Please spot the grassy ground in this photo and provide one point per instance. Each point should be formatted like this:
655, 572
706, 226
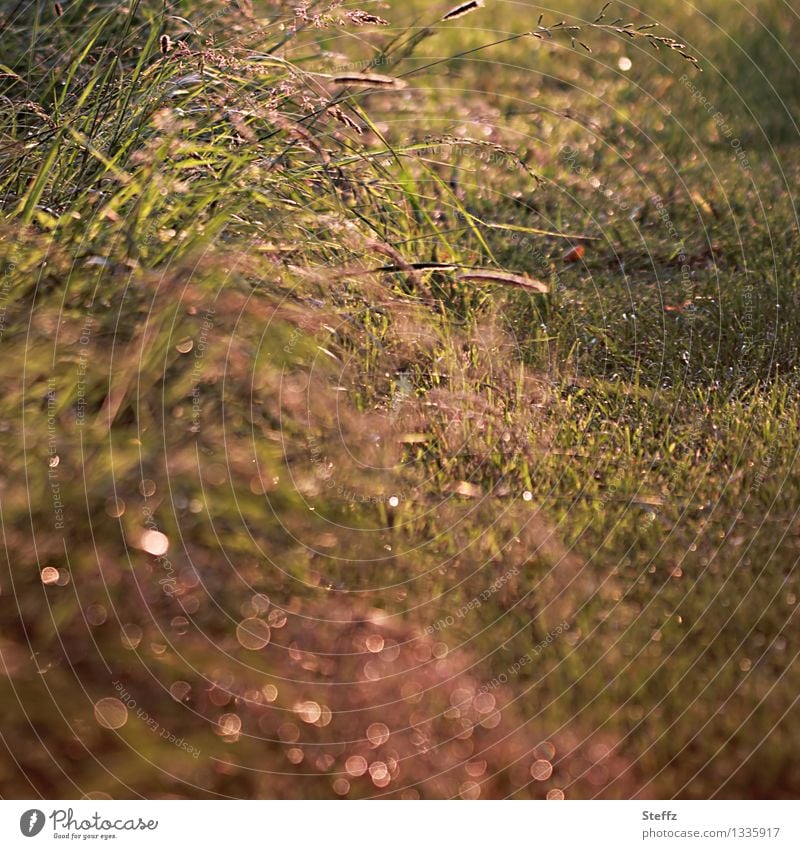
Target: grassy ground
293, 505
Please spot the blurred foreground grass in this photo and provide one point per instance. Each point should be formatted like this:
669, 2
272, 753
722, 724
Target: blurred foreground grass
279, 525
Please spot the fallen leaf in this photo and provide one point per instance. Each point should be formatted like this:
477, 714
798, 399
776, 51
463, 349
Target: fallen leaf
574, 254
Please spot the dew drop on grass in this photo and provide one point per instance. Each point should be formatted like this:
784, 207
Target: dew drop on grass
541, 770
391, 651
49, 575
289, 732
131, 636
470, 790
545, 751
261, 602
309, 712
492, 720
154, 542
147, 487
379, 773
180, 624
341, 787
355, 766
96, 614
180, 690
276, 618
325, 717
375, 643
324, 762
190, 604
115, 507
230, 724
253, 634
295, 755
460, 697
371, 671
110, 713
377, 734
484, 703
247, 610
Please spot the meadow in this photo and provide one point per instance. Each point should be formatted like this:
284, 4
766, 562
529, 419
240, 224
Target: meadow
398, 403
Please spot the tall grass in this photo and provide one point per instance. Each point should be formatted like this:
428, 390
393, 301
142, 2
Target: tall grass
342, 456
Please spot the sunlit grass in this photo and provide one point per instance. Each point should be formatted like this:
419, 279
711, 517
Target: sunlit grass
414, 381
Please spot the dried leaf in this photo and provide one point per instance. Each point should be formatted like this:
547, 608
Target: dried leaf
574, 254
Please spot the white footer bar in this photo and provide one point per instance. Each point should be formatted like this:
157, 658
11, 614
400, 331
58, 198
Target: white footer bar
401, 825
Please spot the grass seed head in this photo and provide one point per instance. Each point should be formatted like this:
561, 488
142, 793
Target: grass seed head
462, 9
518, 281
369, 81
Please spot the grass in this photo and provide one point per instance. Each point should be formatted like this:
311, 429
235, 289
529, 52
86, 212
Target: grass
502, 543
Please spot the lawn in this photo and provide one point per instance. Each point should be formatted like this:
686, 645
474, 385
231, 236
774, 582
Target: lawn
398, 406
